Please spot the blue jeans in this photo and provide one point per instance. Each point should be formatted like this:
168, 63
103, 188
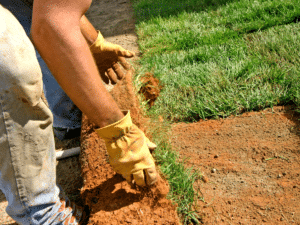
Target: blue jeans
65, 112
27, 151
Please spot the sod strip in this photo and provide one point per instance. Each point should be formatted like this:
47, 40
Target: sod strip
219, 79
257, 71
174, 26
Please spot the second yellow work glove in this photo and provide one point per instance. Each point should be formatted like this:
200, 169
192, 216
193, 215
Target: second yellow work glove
107, 57
128, 152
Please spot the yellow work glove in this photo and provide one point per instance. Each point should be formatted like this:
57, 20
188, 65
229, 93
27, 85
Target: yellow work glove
128, 152
107, 56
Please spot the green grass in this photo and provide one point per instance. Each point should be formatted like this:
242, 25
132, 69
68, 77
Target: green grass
257, 71
219, 22
208, 58
181, 179
216, 58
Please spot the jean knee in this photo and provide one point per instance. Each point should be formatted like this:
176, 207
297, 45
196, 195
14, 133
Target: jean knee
20, 71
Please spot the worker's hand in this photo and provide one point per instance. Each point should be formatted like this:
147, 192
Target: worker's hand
128, 152
107, 56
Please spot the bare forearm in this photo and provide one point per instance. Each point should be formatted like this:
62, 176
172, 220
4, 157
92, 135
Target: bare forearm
87, 29
67, 55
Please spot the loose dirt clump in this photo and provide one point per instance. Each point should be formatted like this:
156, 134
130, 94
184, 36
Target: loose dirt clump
150, 88
251, 166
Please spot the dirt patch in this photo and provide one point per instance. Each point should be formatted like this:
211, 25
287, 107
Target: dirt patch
251, 166
150, 88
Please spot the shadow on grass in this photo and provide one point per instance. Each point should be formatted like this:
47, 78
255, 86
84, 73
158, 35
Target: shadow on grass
167, 8
150, 9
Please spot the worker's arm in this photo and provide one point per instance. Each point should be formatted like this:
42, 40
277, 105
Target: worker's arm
88, 30
57, 35
107, 55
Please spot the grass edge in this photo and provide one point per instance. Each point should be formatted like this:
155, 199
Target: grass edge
167, 160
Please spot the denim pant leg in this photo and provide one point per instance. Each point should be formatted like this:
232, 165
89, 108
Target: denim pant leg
65, 113
27, 153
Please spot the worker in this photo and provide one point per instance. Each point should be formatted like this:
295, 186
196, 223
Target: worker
61, 33
66, 115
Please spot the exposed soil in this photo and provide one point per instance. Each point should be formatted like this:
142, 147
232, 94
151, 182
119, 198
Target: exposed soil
150, 88
251, 166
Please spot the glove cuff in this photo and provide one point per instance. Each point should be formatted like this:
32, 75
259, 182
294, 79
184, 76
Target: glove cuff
117, 129
96, 46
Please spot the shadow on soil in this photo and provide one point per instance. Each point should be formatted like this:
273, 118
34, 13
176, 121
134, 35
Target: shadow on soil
293, 116
68, 174
2, 197
106, 190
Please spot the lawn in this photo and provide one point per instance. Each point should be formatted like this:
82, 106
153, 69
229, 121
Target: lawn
220, 57
215, 58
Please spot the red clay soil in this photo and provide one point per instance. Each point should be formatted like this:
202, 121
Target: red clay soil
251, 166
150, 88
110, 198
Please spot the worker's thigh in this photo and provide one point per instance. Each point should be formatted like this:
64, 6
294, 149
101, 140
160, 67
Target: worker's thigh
27, 154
